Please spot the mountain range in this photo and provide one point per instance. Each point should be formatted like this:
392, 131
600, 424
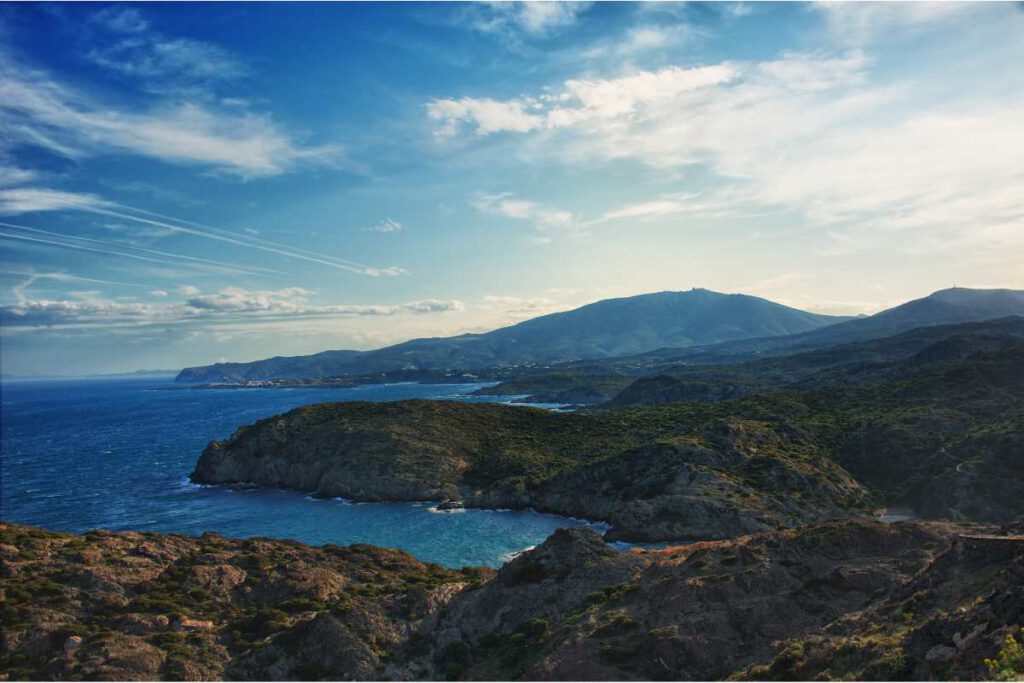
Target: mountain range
696, 326
608, 328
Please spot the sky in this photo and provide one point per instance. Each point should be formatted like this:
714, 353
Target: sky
182, 184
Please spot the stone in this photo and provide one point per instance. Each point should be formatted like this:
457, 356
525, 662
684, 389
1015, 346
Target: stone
72, 643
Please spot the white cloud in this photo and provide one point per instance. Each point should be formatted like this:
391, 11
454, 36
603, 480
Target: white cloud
12, 175
37, 110
19, 200
511, 19
159, 293
643, 210
121, 20
578, 101
543, 218
386, 225
813, 133
858, 23
227, 304
392, 271
486, 116
517, 307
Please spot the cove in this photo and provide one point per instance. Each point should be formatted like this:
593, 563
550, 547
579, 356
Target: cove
115, 454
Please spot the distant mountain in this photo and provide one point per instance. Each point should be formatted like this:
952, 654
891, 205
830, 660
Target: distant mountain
945, 307
612, 327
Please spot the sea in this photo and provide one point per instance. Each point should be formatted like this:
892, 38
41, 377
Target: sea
115, 453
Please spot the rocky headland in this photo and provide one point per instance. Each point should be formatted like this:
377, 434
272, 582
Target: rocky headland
652, 476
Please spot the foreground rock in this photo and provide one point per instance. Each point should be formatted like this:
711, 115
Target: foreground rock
574, 610
860, 600
133, 606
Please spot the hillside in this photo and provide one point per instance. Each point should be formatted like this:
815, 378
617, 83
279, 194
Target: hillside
861, 600
945, 307
616, 385
858, 362
612, 327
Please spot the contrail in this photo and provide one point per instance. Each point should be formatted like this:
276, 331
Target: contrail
238, 239
117, 250
255, 240
107, 252
104, 207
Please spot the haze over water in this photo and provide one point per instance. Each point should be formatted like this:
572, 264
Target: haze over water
116, 454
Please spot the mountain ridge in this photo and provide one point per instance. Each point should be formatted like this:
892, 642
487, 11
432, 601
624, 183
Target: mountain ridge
606, 328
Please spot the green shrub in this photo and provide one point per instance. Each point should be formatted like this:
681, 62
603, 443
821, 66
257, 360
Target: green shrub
1009, 664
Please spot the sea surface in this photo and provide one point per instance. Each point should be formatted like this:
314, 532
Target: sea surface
115, 454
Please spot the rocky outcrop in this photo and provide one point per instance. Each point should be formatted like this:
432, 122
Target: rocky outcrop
133, 606
715, 610
850, 600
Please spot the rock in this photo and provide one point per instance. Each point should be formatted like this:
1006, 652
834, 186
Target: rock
963, 642
142, 624
184, 623
72, 644
940, 654
450, 505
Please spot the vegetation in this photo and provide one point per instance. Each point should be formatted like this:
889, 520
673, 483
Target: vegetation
1009, 663
944, 437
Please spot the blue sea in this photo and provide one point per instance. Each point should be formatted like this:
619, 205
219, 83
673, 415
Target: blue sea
116, 453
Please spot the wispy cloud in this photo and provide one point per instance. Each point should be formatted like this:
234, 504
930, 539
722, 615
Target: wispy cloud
513, 20
858, 23
386, 225
129, 46
518, 307
542, 218
37, 110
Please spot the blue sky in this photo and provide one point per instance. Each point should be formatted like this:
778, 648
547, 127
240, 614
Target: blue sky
182, 184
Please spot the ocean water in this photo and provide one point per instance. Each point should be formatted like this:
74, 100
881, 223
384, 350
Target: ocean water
115, 454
